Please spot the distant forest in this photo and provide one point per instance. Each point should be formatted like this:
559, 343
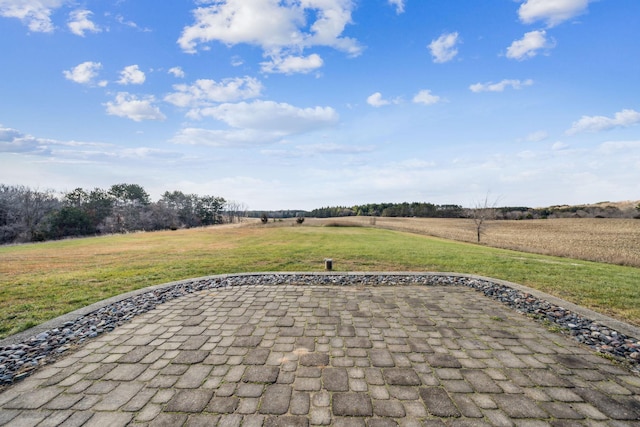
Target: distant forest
429, 210
30, 215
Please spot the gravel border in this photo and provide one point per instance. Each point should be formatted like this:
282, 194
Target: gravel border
23, 353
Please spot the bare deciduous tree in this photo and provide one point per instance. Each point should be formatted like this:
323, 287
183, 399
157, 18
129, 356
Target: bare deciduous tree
482, 212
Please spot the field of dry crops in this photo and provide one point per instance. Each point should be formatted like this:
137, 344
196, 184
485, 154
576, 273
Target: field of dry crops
615, 241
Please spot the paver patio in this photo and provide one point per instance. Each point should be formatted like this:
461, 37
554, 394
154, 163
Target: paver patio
302, 355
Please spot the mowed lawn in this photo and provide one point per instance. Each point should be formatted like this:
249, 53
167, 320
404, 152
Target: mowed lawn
41, 281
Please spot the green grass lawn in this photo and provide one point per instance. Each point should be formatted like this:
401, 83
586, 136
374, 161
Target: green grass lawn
41, 281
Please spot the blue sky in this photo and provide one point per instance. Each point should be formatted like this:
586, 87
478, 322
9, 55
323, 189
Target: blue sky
299, 104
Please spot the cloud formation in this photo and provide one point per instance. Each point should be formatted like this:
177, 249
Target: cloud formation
443, 49
376, 100
529, 45
79, 22
272, 116
281, 29
425, 97
292, 64
132, 75
206, 92
500, 86
131, 107
621, 119
84, 73
255, 123
36, 14
399, 4
176, 72
14, 141
552, 12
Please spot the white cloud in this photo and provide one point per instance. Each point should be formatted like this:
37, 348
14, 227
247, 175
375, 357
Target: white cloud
559, 146
553, 12
624, 118
79, 22
537, 136
258, 122
292, 64
280, 28
131, 24
443, 48
272, 116
376, 100
426, 97
36, 14
83, 73
399, 4
529, 45
176, 72
131, 75
611, 147
500, 86
204, 92
14, 141
131, 107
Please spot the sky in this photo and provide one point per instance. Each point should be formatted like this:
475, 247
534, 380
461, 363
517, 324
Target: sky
301, 104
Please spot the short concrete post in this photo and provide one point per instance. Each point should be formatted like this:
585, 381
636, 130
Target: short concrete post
328, 264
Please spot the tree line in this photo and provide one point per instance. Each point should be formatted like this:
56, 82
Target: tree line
29, 215
430, 210
415, 209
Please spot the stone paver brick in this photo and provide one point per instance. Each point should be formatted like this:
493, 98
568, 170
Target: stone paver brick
381, 358
261, 374
189, 401
110, 419
222, 405
168, 420
35, 399
286, 421
388, 408
190, 357
300, 403
518, 406
193, 343
257, 356
438, 402
314, 359
63, 401
193, 377
401, 376
352, 405
139, 400
443, 360
202, 420
119, 396
480, 381
335, 379
276, 399
609, 406
78, 418
29, 419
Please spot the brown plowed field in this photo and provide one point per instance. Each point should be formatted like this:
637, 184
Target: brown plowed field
615, 241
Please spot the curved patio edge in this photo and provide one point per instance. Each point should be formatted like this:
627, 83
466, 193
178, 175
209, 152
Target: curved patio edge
614, 324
